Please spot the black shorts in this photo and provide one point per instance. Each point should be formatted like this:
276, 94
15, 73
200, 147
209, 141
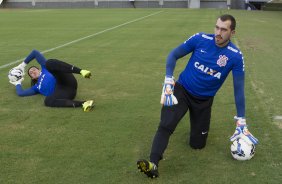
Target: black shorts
200, 115
66, 85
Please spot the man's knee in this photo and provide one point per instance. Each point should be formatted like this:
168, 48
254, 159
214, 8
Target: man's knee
48, 64
198, 141
165, 129
49, 102
53, 64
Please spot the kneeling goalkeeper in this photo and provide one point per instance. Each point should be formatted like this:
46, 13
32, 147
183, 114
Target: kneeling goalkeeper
55, 80
213, 57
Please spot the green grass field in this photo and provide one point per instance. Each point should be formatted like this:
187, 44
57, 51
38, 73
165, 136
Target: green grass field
126, 53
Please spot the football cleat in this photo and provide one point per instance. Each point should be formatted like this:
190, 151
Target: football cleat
148, 168
88, 105
85, 73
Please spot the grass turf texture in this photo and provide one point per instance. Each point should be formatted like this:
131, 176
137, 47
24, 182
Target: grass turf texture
53, 145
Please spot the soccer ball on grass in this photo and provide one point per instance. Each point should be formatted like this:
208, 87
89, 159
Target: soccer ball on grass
241, 150
15, 74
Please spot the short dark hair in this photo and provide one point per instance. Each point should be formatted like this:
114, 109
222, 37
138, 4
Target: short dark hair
226, 17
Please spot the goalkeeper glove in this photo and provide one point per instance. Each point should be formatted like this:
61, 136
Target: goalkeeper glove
21, 67
17, 82
242, 131
167, 97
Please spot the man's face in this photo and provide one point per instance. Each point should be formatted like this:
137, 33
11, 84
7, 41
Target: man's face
34, 73
223, 32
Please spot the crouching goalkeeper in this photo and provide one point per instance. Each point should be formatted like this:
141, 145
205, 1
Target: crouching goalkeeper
55, 80
213, 57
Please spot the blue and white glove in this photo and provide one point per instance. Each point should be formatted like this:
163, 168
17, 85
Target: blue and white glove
167, 97
242, 132
21, 67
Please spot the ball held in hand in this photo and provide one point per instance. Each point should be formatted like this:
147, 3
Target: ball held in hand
15, 75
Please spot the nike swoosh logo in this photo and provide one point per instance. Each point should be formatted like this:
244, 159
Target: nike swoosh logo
203, 133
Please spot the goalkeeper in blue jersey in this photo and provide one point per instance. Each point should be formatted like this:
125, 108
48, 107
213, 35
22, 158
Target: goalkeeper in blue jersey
55, 80
213, 57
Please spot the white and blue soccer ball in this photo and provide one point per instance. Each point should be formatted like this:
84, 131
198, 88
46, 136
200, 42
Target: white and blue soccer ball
15, 74
241, 150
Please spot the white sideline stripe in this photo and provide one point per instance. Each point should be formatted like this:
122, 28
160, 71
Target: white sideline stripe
277, 117
83, 38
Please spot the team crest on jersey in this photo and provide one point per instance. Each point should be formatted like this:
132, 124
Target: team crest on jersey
222, 61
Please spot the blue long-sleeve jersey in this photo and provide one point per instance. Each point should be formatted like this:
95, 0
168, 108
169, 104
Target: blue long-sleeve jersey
208, 67
46, 82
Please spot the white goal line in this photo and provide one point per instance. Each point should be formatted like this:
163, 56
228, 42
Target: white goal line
83, 38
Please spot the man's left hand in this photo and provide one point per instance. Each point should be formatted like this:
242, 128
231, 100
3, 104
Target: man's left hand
242, 131
17, 82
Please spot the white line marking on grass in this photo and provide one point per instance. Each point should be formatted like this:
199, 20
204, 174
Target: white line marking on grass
83, 38
277, 118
